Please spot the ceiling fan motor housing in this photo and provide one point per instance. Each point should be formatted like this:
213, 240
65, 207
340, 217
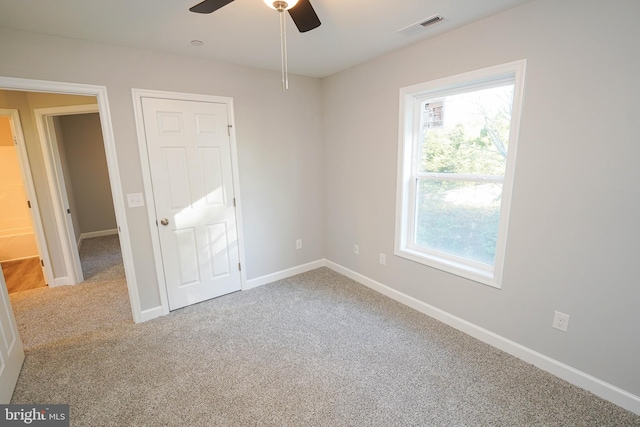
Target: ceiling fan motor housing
281, 5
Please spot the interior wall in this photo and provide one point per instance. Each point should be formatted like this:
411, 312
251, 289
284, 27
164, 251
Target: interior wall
87, 172
573, 235
68, 182
279, 138
17, 240
6, 136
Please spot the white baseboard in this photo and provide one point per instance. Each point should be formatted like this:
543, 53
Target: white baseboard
91, 234
574, 376
155, 312
578, 378
99, 233
61, 281
263, 280
150, 314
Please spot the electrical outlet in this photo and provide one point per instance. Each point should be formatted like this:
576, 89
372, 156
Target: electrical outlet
299, 244
356, 249
383, 259
561, 321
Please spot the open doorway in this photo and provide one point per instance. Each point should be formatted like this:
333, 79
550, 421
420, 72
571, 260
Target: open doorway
66, 156
76, 141
73, 147
19, 242
63, 154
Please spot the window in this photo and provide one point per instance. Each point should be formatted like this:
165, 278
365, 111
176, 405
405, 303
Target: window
457, 146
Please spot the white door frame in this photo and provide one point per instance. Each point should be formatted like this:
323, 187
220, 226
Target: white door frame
57, 187
27, 179
138, 94
100, 92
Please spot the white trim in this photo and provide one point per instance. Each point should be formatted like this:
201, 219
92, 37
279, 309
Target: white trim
158, 311
235, 170
25, 169
92, 234
574, 376
68, 110
408, 155
61, 281
100, 233
137, 95
283, 274
69, 242
100, 92
151, 313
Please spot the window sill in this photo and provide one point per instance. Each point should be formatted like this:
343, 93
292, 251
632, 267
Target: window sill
460, 269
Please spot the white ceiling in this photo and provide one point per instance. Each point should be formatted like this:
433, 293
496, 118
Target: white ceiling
247, 31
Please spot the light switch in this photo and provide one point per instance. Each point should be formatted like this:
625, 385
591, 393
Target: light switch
135, 200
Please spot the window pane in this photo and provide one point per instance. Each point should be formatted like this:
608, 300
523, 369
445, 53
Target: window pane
467, 133
459, 218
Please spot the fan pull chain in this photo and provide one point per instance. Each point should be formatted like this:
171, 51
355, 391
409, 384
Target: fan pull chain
283, 51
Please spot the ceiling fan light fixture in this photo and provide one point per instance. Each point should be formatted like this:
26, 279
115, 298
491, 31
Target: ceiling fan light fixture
280, 4
303, 16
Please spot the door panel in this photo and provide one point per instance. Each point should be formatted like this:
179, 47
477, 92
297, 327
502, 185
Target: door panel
190, 161
11, 352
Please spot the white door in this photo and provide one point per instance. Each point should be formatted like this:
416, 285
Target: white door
189, 151
11, 352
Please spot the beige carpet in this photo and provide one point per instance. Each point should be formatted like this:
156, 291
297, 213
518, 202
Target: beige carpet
47, 315
101, 259
313, 350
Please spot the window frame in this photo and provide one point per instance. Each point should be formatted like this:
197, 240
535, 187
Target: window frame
409, 144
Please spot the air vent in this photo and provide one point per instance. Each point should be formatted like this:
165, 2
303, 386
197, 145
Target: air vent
420, 26
432, 21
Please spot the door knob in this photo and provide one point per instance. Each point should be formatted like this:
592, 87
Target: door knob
164, 221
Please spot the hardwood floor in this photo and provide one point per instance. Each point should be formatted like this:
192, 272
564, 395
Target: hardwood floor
23, 274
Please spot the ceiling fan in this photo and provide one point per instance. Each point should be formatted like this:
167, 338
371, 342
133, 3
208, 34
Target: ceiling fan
302, 14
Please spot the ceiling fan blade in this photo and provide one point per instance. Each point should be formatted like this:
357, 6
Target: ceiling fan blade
208, 6
304, 16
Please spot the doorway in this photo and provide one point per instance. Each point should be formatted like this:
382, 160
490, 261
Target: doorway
70, 143
27, 95
76, 167
19, 240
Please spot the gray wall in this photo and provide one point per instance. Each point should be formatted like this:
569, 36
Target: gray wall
573, 237
68, 182
280, 161
87, 172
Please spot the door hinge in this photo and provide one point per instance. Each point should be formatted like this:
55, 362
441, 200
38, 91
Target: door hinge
15, 140
239, 267
229, 129
42, 262
29, 203
234, 202
69, 211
